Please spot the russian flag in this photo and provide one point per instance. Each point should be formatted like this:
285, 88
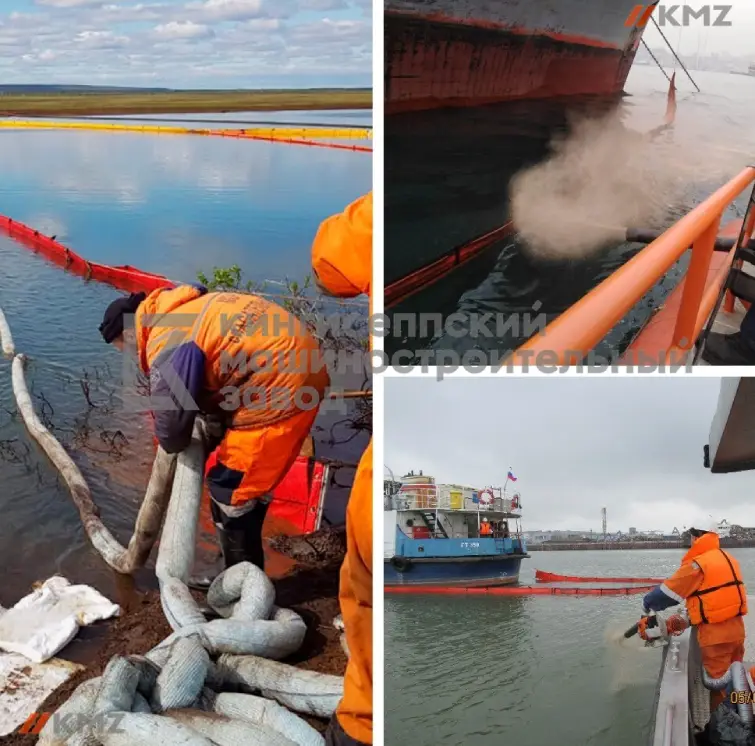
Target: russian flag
511, 476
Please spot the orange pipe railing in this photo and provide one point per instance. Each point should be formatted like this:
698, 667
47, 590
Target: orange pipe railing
570, 338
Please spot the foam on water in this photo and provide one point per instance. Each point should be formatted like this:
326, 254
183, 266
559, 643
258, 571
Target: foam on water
628, 658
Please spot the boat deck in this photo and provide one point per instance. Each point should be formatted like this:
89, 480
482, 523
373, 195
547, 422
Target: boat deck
682, 700
729, 323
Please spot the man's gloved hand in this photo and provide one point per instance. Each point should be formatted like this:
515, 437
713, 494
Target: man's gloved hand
213, 429
676, 624
216, 427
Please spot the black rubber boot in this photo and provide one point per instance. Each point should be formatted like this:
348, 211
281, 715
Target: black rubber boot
727, 349
241, 537
240, 540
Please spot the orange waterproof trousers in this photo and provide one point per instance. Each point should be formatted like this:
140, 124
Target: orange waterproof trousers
716, 661
249, 464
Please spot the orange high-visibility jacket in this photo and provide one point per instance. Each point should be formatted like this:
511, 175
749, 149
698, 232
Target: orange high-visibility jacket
342, 251
721, 595
342, 263
710, 582
354, 711
233, 354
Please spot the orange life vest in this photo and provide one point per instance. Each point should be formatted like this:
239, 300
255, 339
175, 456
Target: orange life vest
722, 595
253, 349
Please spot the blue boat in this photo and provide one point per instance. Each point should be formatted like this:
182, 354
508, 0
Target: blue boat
451, 535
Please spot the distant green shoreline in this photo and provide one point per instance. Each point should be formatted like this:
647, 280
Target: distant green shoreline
68, 103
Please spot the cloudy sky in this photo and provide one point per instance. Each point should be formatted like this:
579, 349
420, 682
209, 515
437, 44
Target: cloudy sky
576, 445
180, 43
736, 39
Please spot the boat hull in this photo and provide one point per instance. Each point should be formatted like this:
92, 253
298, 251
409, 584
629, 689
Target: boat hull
455, 571
442, 53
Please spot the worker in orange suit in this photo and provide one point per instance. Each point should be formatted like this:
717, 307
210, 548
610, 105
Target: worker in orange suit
245, 363
342, 264
342, 251
710, 582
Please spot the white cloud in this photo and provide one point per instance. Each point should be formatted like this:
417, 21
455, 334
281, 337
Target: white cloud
263, 24
185, 43
183, 30
69, 3
226, 10
101, 40
132, 13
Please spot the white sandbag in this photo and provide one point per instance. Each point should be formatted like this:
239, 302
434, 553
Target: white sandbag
264, 712
117, 688
138, 728
63, 722
226, 732
6, 338
307, 692
45, 621
177, 544
181, 681
242, 591
271, 639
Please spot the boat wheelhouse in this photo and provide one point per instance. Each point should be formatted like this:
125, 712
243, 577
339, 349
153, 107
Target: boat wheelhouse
448, 534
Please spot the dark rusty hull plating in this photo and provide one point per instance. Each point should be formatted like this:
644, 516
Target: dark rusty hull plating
470, 52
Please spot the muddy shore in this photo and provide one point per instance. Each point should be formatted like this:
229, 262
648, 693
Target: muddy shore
310, 591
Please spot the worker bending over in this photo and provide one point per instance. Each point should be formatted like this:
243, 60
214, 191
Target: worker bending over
247, 363
710, 582
342, 265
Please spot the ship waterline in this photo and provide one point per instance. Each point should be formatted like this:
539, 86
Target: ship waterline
442, 53
470, 572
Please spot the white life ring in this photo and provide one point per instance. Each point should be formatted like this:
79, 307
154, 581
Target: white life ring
486, 497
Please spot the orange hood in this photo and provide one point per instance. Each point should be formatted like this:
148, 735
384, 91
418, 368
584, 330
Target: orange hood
705, 543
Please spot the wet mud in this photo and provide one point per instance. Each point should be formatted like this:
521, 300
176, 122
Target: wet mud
310, 591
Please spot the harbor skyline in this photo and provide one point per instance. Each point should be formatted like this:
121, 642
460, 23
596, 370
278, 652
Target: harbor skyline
633, 446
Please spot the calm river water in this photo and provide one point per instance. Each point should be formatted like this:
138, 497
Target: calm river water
171, 204
526, 670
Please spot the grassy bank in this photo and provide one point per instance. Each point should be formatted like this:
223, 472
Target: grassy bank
180, 102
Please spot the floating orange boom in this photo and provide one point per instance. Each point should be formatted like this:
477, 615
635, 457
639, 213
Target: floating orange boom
548, 577
518, 590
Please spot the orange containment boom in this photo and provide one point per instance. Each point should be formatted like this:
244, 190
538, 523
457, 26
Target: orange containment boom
124, 277
299, 498
516, 590
574, 334
549, 577
426, 276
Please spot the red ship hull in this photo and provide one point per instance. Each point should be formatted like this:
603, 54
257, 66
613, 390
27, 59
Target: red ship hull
433, 60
